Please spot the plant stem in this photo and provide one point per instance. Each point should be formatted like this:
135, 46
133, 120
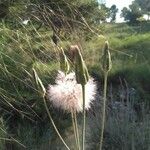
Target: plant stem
50, 117
103, 109
84, 115
76, 126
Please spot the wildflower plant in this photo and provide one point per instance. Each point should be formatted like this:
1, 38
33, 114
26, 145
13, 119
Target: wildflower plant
82, 77
106, 66
73, 92
66, 94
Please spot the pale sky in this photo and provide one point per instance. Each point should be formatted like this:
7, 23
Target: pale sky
120, 4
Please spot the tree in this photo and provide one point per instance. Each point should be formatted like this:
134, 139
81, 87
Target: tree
125, 13
145, 6
132, 13
112, 12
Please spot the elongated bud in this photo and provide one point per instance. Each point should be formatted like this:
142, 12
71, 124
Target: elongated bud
106, 58
81, 71
39, 83
64, 64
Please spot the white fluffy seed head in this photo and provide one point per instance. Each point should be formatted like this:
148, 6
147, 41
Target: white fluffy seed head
67, 94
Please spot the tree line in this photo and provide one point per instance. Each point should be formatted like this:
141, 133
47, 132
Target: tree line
59, 11
136, 10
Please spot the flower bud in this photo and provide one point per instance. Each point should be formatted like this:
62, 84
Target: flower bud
106, 58
64, 64
39, 83
81, 71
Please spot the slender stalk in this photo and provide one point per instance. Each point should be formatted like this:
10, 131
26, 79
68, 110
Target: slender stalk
103, 109
76, 126
50, 117
84, 115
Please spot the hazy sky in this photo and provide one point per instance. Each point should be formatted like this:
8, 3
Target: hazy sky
120, 4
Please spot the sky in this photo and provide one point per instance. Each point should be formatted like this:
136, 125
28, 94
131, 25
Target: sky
120, 4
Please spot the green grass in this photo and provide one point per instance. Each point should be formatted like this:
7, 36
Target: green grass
24, 48
130, 50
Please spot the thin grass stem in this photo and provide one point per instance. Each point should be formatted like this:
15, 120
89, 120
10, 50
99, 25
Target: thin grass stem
84, 118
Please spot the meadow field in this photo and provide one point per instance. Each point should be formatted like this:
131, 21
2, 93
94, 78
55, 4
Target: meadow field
24, 123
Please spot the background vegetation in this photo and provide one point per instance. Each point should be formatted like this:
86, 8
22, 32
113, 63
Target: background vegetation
28, 31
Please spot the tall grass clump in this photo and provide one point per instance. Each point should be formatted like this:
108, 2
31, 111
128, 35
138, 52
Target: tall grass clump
26, 49
69, 95
127, 122
22, 50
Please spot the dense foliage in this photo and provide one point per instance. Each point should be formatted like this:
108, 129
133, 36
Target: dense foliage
137, 9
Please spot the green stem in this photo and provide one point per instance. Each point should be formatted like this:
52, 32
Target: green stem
50, 117
84, 115
103, 110
76, 127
